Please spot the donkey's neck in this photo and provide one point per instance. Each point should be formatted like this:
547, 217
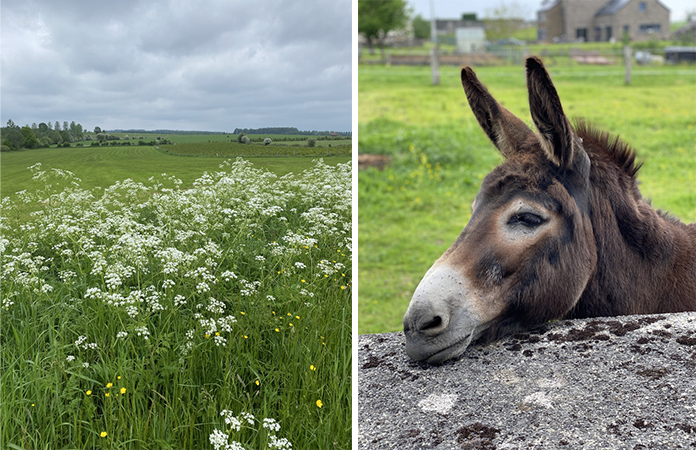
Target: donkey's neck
646, 261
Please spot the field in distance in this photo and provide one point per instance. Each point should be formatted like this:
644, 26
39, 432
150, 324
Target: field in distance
200, 137
102, 166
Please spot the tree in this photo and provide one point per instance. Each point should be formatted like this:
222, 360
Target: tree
12, 137
97, 130
421, 27
504, 20
377, 18
240, 137
30, 140
57, 126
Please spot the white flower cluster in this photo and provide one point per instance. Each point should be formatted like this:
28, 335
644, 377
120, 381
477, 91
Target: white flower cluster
81, 342
220, 440
328, 268
142, 331
249, 288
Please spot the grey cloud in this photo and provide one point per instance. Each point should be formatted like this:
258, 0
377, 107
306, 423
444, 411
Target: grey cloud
211, 65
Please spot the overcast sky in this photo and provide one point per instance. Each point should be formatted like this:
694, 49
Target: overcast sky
211, 65
455, 8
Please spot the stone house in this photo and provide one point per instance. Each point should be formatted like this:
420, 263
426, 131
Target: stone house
602, 20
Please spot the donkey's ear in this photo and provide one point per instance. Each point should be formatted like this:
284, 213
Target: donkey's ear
556, 135
502, 127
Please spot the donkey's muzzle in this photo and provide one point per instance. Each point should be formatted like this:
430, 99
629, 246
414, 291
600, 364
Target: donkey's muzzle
440, 323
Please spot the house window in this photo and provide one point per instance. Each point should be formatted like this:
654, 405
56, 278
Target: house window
649, 28
581, 34
627, 29
541, 34
597, 34
542, 17
642, 7
608, 33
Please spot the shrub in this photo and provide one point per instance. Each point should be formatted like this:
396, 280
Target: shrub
311, 142
267, 141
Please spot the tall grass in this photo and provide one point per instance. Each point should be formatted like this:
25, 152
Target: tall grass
149, 315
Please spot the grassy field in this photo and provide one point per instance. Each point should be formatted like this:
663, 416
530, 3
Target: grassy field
411, 212
174, 311
101, 167
234, 149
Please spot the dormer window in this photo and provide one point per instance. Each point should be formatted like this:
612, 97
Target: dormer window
642, 7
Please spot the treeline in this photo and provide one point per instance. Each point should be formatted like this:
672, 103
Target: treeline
44, 134
289, 130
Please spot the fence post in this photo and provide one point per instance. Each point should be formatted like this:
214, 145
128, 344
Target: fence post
434, 67
627, 63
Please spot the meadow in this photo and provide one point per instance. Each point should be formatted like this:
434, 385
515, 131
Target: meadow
282, 149
148, 308
99, 167
413, 210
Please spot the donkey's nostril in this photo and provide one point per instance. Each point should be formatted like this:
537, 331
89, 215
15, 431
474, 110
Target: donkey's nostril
429, 325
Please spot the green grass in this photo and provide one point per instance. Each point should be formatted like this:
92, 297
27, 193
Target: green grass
234, 149
411, 212
133, 316
102, 166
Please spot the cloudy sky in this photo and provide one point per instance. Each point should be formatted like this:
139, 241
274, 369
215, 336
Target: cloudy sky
210, 65
455, 8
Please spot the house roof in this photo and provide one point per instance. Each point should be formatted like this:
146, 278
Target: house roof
612, 7
548, 5
615, 6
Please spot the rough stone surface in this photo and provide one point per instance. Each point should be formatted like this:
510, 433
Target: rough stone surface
607, 383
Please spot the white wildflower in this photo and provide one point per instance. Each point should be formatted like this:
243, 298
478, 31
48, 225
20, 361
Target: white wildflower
234, 423
218, 439
142, 331
271, 424
228, 275
281, 444
216, 306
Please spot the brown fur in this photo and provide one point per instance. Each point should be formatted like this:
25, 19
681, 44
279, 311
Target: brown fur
605, 252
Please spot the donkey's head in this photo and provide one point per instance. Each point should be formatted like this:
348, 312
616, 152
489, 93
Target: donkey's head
528, 251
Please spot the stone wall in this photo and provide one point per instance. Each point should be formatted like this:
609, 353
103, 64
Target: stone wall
608, 383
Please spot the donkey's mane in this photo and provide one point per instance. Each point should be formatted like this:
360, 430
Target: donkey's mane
617, 150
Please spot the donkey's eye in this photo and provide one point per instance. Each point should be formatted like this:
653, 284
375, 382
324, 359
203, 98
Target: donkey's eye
528, 220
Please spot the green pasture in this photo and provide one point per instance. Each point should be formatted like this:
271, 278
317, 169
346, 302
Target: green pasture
412, 211
234, 149
102, 166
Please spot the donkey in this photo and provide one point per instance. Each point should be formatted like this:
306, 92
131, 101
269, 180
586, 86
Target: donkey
558, 230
